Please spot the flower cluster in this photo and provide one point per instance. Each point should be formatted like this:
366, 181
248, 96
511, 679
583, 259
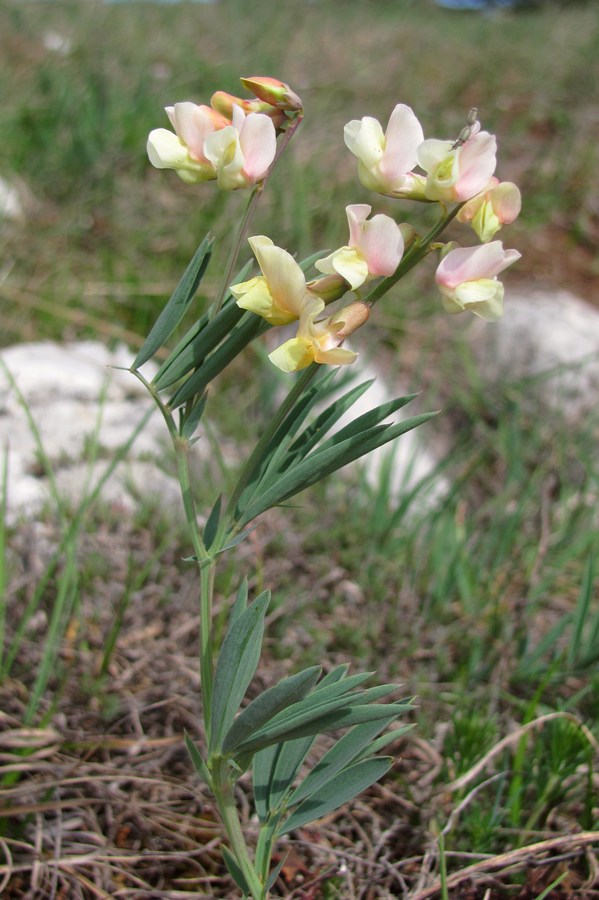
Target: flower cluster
234, 142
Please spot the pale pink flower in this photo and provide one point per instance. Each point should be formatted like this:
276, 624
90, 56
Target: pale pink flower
499, 205
458, 172
467, 279
375, 248
183, 151
242, 153
386, 160
206, 146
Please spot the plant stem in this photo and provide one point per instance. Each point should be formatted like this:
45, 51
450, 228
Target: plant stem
239, 239
205, 560
248, 214
222, 787
259, 450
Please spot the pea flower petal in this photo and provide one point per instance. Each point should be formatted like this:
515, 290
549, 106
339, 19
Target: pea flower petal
458, 173
280, 293
467, 279
499, 205
375, 248
242, 152
385, 160
320, 341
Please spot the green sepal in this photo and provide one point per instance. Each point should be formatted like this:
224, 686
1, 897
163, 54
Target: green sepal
344, 786
235, 667
268, 704
178, 304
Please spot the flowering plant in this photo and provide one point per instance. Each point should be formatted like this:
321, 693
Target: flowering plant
236, 142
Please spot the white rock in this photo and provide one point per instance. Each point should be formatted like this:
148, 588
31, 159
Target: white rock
77, 400
11, 206
551, 337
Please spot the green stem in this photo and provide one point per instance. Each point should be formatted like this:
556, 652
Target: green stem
239, 239
417, 252
257, 455
207, 573
222, 787
248, 214
205, 560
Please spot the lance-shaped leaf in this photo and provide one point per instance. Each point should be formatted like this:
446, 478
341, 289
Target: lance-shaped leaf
323, 462
198, 763
287, 448
195, 346
268, 704
190, 420
178, 304
338, 713
236, 665
344, 786
235, 871
247, 328
275, 768
342, 754
211, 526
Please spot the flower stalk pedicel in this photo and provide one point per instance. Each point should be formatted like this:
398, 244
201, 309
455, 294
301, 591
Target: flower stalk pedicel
235, 142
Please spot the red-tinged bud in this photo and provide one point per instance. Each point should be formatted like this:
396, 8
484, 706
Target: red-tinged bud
223, 103
351, 318
274, 92
219, 119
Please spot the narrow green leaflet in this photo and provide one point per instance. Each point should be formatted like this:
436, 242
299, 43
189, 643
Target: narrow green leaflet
268, 704
241, 600
198, 343
236, 665
248, 327
367, 421
178, 304
342, 754
346, 785
311, 723
323, 462
235, 871
211, 526
276, 766
198, 763
191, 420
285, 769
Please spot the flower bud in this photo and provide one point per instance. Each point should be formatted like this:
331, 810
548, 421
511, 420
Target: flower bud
329, 288
351, 318
224, 103
274, 92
